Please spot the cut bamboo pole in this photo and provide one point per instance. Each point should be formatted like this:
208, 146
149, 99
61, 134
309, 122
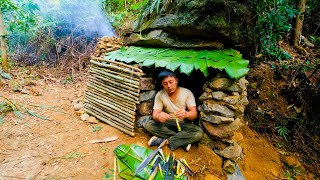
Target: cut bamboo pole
121, 79
92, 85
117, 68
115, 119
110, 97
111, 78
118, 63
120, 102
116, 83
128, 113
110, 123
128, 76
122, 91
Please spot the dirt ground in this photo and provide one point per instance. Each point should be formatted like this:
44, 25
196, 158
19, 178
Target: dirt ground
58, 148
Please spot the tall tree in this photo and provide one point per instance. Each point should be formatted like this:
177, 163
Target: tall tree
299, 22
3, 44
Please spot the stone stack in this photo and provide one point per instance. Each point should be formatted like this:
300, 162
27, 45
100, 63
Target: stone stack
107, 44
146, 98
221, 114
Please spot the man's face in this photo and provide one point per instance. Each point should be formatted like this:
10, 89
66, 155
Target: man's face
170, 84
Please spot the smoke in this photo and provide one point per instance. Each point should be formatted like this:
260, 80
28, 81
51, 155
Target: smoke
83, 16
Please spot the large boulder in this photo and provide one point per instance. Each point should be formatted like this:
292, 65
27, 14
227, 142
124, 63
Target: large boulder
195, 23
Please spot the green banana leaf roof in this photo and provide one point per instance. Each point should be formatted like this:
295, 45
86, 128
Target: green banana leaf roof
186, 61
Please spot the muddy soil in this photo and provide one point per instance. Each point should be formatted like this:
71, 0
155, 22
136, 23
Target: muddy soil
58, 148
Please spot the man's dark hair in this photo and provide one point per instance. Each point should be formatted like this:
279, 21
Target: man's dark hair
166, 73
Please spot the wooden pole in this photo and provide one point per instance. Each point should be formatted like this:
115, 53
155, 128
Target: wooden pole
117, 63
299, 22
3, 44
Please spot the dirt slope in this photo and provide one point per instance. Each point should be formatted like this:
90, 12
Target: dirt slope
58, 148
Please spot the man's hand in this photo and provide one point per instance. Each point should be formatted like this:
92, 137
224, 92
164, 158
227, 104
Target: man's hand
160, 116
181, 114
163, 117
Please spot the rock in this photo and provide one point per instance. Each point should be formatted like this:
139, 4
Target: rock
76, 101
237, 137
142, 120
218, 131
222, 131
93, 120
81, 111
216, 119
147, 84
208, 90
145, 108
237, 175
229, 166
244, 101
219, 95
205, 96
205, 87
147, 96
244, 93
221, 84
161, 38
231, 99
84, 117
196, 21
238, 109
232, 152
234, 88
243, 83
235, 93
210, 106
212, 144
78, 106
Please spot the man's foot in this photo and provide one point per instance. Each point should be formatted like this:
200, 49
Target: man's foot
155, 141
187, 148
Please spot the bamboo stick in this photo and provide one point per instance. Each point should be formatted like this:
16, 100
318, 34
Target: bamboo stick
106, 75
115, 119
118, 63
113, 81
128, 76
124, 113
116, 68
116, 77
122, 105
128, 103
129, 113
129, 119
92, 85
123, 91
110, 97
110, 123
110, 113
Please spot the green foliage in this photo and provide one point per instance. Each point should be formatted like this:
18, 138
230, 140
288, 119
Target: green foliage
73, 155
283, 131
273, 24
292, 172
315, 39
96, 128
186, 60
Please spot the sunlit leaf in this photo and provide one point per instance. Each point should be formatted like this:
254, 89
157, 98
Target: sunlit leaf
96, 128
18, 114
1, 120
36, 115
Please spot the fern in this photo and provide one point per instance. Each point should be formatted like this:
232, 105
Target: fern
283, 131
187, 61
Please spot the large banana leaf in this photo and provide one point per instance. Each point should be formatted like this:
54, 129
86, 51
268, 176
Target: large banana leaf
229, 60
129, 158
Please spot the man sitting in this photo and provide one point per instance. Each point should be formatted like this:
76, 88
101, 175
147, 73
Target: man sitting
173, 111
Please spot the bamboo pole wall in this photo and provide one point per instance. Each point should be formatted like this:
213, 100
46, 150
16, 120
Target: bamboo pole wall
112, 93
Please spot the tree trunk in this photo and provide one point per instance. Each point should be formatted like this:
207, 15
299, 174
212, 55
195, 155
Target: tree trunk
3, 45
299, 22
